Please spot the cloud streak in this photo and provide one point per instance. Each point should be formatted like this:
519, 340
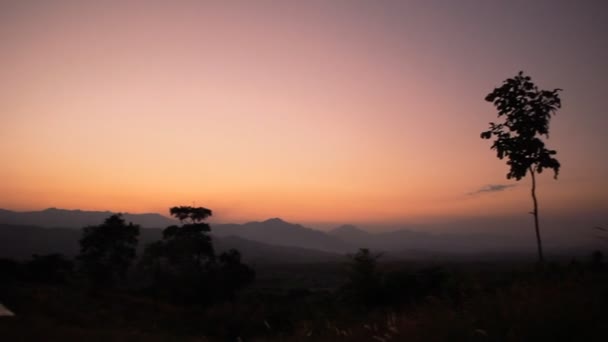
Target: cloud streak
491, 188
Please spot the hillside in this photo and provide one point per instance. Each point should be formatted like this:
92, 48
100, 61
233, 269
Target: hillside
53, 217
278, 232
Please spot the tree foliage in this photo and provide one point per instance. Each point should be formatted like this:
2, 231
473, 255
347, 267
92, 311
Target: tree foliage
107, 250
365, 281
185, 265
51, 268
185, 248
192, 214
526, 111
233, 275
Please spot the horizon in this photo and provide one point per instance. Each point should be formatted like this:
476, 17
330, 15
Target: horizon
318, 113
563, 230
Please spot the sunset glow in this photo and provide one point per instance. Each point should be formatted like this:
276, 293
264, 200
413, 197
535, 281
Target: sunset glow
313, 111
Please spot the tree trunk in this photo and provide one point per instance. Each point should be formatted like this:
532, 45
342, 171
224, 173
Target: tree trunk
535, 213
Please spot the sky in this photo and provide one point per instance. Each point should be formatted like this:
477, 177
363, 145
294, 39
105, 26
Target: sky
319, 112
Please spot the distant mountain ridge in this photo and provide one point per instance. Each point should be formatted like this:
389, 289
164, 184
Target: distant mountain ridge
351, 234
280, 236
278, 232
53, 217
258, 252
22, 241
349, 238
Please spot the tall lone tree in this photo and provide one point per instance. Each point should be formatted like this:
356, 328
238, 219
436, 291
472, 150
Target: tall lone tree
526, 111
185, 265
187, 249
182, 261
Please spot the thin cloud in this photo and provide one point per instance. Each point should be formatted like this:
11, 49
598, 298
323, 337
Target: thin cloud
492, 188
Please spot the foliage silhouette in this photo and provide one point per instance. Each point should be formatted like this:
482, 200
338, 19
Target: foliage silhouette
51, 268
364, 280
597, 261
194, 214
233, 275
526, 111
185, 265
107, 250
185, 248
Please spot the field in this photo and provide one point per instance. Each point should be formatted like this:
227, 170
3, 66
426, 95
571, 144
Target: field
312, 302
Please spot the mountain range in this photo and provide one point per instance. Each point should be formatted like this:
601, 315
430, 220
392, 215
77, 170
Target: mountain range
53, 217
278, 232
52, 230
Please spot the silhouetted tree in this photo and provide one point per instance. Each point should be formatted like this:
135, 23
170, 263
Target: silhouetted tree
187, 246
51, 268
193, 214
232, 274
365, 281
597, 260
526, 111
183, 260
107, 250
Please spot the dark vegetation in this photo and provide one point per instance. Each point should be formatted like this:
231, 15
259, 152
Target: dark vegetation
106, 251
180, 289
184, 266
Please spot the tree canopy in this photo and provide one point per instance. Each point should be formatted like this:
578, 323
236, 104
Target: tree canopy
526, 111
185, 264
107, 250
193, 214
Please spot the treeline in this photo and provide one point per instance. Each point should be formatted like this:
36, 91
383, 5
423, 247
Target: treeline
180, 288
182, 266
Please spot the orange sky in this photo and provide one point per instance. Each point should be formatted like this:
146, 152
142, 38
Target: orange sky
310, 111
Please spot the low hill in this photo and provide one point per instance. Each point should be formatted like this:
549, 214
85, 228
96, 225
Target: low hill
280, 233
53, 217
21, 242
351, 235
257, 252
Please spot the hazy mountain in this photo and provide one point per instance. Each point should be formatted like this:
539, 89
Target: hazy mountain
350, 234
53, 217
405, 239
278, 232
349, 238
268, 240
21, 242
257, 252
409, 240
